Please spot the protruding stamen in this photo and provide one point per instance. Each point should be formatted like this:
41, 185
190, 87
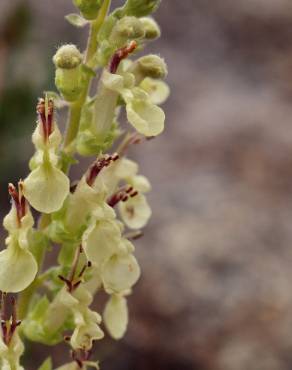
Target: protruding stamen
98, 165
8, 326
71, 282
122, 195
18, 200
14, 322
87, 265
45, 111
121, 54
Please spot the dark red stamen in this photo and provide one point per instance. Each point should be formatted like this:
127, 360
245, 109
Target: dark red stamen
18, 200
8, 326
71, 282
98, 165
46, 117
122, 195
121, 54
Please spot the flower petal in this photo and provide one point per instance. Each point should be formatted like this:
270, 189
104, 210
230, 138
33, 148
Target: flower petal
120, 273
147, 118
135, 212
84, 335
157, 90
46, 188
18, 268
116, 316
100, 241
140, 183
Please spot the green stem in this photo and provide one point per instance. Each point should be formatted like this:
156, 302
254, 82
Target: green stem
76, 107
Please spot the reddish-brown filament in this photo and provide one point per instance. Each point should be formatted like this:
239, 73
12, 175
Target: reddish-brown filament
46, 118
98, 165
122, 195
18, 200
121, 54
8, 326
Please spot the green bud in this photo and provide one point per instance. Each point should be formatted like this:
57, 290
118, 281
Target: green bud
140, 8
149, 66
127, 28
69, 77
151, 28
88, 8
67, 57
70, 83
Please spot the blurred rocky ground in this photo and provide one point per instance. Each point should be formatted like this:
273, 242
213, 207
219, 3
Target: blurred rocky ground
216, 290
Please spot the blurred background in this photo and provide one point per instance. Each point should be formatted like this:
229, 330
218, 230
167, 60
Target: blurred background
216, 290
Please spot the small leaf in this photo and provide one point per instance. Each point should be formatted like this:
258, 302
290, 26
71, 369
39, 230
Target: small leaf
76, 20
46, 365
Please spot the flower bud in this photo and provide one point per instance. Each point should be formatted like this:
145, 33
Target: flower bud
69, 77
127, 28
67, 57
88, 8
149, 66
151, 28
140, 8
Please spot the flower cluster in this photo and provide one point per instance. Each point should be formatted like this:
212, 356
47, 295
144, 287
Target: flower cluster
91, 222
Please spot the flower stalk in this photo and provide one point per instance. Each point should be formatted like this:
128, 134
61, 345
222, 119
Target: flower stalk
92, 222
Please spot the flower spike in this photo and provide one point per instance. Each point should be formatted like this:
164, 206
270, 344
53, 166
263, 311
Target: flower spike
89, 218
